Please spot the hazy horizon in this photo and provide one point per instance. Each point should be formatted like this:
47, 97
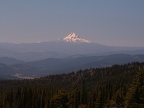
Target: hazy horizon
116, 23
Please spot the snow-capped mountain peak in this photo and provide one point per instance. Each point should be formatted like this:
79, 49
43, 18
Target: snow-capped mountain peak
75, 38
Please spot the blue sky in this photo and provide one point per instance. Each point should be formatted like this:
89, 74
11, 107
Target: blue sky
110, 22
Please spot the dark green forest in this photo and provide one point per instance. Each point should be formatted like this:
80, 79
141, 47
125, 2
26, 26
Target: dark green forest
118, 86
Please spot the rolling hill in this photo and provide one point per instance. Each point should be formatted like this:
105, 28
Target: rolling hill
52, 66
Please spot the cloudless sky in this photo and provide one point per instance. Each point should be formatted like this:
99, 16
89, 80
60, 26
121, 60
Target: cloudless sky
110, 22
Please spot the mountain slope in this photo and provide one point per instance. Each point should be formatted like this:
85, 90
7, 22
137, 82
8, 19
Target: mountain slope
73, 38
57, 66
68, 46
10, 61
53, 65
89, 88
6, 72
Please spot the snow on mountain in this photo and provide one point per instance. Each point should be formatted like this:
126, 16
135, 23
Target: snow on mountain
75, 39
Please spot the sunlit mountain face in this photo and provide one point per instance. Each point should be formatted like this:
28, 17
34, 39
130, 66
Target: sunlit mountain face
74, 38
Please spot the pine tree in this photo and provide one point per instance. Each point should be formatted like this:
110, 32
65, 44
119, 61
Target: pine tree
135, 96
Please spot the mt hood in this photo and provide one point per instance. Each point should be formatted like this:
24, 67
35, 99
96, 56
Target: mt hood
73, 38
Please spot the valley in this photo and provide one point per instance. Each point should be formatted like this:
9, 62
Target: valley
52, 66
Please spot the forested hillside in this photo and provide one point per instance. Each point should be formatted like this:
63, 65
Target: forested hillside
119, 86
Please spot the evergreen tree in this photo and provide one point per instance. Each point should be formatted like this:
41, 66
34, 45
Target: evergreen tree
135, 96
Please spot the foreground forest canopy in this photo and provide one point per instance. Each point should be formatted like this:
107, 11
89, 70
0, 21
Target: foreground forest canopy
119, 86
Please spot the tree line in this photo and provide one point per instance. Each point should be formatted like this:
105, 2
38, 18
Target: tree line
118, 86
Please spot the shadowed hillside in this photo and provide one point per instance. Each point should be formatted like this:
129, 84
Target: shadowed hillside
91, 88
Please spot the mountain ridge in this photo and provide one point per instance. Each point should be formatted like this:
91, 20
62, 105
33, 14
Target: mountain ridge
67, 46
52, 66
74, 38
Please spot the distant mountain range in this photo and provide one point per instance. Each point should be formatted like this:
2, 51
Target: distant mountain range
29, 70
65, 47
71, 53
